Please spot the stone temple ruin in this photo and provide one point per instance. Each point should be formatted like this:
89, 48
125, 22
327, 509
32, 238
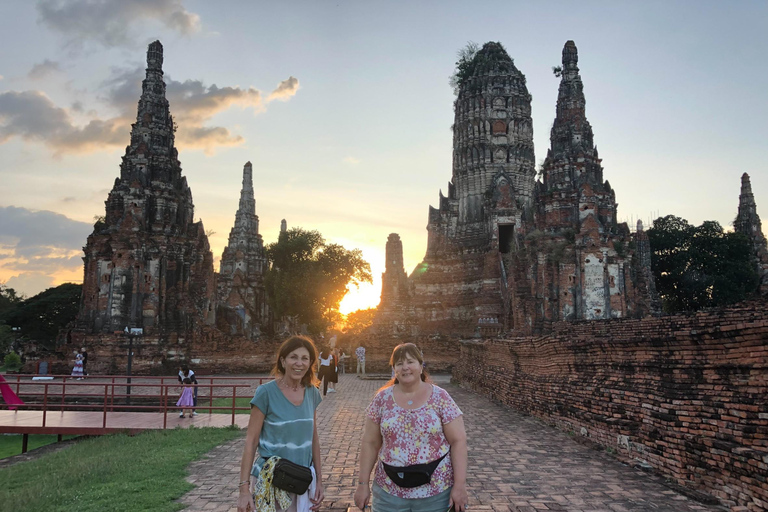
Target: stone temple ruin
242, 298
748, 223
508, 252
148, 264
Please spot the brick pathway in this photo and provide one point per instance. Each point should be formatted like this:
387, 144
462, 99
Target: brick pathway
516, 464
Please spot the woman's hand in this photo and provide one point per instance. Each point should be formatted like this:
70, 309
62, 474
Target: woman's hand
459, 497
319, 496
362, 496
245, 501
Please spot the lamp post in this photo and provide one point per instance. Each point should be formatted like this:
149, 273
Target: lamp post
131, 333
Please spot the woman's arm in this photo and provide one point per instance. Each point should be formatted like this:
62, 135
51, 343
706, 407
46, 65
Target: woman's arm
255, 424
457, 438
369, 451
316, 461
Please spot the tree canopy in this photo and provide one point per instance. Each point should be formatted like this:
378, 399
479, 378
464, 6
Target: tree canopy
700, 266
360, 320
41, 317
308, 278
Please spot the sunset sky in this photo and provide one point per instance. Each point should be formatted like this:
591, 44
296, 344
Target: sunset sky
344, 109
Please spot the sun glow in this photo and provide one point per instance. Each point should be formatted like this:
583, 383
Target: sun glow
367, 296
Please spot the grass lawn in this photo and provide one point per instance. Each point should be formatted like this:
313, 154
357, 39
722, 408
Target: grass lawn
116, 473
225, 402
11, 444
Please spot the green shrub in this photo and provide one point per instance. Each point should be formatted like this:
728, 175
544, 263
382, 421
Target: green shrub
12, 361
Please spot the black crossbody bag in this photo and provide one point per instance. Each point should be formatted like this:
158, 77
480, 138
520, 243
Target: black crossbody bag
412, 476
291, 477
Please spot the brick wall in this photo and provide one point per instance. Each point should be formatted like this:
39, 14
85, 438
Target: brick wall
685, 394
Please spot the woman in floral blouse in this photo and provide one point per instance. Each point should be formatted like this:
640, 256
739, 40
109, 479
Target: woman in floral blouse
412, 428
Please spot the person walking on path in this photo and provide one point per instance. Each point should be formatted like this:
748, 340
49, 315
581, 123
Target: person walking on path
283, 424
415, 440
186, 400
77, 370
360, 353
333, 372
327, 370
342, 360
186, 373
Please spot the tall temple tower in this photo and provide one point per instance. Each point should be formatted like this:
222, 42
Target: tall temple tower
572, 165
505, 252
148, 264
394, 310
493, 161
584, 267
242, 297
460, 280
748, 223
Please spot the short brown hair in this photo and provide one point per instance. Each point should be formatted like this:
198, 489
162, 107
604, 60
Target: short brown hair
402, 351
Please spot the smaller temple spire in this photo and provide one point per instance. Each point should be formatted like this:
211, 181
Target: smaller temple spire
246, 218
283, 226
748, 223
747, 220
155, 56
570, 56
571, 130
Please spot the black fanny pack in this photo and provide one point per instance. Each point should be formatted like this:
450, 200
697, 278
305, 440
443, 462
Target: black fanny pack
291, 477
412, 476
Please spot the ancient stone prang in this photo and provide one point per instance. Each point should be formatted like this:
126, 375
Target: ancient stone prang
748, 223
507, 252
148, 264
394, 310
242, 297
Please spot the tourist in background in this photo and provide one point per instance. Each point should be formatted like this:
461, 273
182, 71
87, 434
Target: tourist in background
327, 370
283, 423
342, 360
333, 379
360, 353
186, 373
412, 422
186, 399
77, 370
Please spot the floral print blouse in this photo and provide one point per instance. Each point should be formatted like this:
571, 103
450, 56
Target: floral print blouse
414, 436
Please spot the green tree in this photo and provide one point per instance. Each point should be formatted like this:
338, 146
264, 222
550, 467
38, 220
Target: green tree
698, 267
9, 299
9, 302
465, 66
12, 361
41, 317
308, 279
6, 339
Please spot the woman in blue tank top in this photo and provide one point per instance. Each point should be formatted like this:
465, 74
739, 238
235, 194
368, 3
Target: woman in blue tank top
283, 424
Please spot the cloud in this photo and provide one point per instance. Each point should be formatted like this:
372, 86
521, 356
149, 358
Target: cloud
37, 245
285, 90
193, 104
352, 160
110, 22
30, 283
44, 70
32, 116
1, 77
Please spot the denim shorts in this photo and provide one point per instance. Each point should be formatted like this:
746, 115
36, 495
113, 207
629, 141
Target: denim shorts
385, 502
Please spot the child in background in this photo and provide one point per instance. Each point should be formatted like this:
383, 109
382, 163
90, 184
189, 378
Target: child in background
187, 398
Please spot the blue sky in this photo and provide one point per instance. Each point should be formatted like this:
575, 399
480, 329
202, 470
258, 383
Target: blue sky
357, 142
